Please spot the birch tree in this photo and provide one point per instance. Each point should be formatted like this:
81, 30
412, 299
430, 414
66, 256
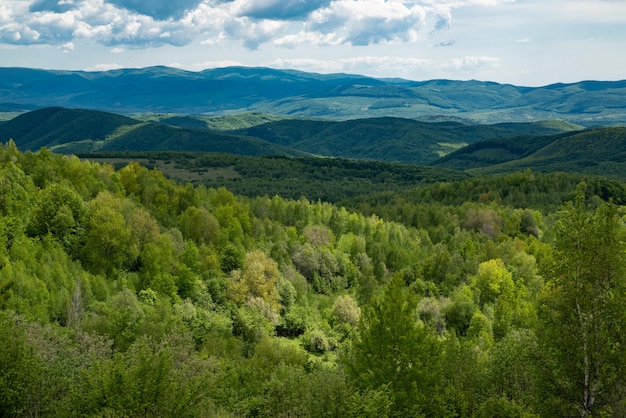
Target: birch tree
582, 313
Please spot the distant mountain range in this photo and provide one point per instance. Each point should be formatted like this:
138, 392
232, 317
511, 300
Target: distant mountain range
299, 94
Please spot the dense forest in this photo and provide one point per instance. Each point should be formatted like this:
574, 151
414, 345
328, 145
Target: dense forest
124, 293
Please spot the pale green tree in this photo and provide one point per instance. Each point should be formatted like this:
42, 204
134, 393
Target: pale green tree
582, 321
256, 279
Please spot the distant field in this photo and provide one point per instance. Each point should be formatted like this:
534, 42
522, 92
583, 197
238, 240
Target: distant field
4, 116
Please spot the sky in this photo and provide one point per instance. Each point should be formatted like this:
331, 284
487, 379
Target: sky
522, 42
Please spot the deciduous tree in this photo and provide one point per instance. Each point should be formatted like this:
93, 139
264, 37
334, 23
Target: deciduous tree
582, 316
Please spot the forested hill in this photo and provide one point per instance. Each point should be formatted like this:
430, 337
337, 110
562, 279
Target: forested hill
600, 151
296, 93
384, 139
391, 139
477, 149
125, 294
78, 130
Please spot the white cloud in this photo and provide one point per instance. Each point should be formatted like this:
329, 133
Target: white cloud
207, 64
320, 35
207, 18
147, 23
90, 19
375, 66
253, 33
363, 22
105, 67
67, 47
470, 63
5, 14
307, 38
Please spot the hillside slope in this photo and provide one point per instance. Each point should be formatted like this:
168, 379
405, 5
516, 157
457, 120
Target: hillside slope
600, 151
390, 139
56, 126
78, 130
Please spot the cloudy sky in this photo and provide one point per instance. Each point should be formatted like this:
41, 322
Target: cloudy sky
524, 42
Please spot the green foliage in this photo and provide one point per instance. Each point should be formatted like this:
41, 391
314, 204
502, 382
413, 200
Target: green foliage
108, 245
393, 350
461, 309
41, 365
596, 151
126, 294
582, 311
328, 179
346, 310
503, 407
492, 281
256, 280
440, 203
513, 370
199, 225
464, 380
56, 126
60, 211
386, 139
156, 379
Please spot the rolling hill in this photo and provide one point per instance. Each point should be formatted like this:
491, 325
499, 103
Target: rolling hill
234, 90
75, 130
383, 139
391, 139
600, 151
55, 126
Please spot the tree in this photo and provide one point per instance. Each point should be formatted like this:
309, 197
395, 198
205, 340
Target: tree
109, 245
581, 314
495, 286
346, 310
162, 378
199, 225
393, 350
492, 280
257, 279
60, 211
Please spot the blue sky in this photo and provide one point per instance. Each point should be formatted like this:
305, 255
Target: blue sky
523, 42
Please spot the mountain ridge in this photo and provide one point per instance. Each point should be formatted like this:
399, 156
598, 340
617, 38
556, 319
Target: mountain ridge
295, 93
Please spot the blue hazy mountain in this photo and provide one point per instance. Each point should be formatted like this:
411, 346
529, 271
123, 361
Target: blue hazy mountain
301, 94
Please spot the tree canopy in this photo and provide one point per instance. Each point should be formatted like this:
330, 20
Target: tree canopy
123, 293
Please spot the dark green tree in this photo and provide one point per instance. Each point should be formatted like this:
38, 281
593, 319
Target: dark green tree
395, 351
